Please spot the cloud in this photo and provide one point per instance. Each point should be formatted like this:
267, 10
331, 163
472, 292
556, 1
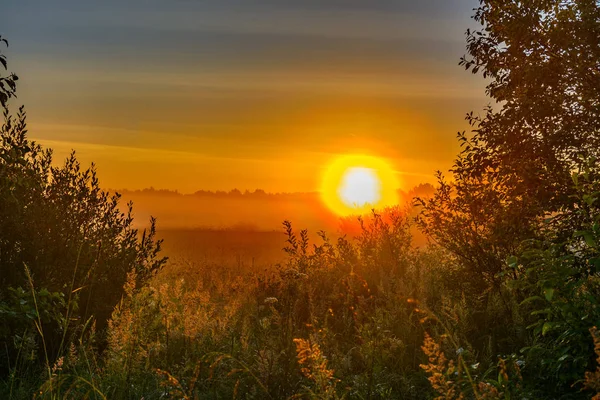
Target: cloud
233, 83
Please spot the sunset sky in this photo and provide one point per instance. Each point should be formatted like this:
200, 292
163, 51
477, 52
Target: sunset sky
222, 94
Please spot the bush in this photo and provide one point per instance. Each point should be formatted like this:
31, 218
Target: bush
70, 235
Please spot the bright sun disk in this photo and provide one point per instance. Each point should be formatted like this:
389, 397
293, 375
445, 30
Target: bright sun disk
355, 184
359, 186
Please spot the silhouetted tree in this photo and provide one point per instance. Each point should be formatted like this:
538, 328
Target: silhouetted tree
8, 86
542, 59
60, 224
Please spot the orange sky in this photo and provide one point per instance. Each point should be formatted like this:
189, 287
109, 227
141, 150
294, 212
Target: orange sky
256, 94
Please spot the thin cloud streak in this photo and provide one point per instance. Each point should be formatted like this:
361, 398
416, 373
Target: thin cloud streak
221, 85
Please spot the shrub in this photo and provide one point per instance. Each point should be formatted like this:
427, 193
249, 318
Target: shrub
70, 235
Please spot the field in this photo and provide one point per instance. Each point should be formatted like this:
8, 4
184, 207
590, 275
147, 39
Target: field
242, 313
277, 313
245, 249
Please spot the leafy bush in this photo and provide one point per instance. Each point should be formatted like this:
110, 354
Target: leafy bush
61, 231
559, 274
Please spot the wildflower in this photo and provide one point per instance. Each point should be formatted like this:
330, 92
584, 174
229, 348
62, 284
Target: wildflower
72, 354
488, 391
592, 379
58, 365
503, 370
439, 370
314, 367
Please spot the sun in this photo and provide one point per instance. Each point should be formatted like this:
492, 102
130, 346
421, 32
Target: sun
360, 186
355, 184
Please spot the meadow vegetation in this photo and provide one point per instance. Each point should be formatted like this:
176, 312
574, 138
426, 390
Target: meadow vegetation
502, 303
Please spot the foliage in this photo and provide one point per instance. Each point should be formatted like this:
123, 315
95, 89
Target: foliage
8, 86
314, 367
441, 371
26, 314
59, 229
68, 231
592, 379
524, 187
278, 333
515, 167
560, 277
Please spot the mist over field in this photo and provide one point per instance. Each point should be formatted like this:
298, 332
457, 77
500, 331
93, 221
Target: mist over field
244, 229
252, 210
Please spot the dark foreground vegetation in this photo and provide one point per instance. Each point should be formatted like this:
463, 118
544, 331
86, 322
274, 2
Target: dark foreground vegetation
502, 304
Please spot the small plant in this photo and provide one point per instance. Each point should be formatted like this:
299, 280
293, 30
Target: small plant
314, 367
443, 374
457, 380
592, 379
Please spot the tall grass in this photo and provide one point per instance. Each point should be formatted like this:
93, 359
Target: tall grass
367, 317
331, 321
61, 376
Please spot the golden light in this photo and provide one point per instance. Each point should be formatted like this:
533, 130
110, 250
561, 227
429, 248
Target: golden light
355, 184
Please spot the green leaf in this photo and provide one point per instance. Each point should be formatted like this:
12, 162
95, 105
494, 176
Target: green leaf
530, 299
538, 312
549, 293
589, 199
547, 327
587, 236
512, 262
563, 358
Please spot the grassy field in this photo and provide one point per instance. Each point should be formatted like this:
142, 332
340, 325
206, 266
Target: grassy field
246, 314
242, 248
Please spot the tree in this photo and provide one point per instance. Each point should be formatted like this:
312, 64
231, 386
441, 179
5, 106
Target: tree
8, 86
560, 275
514, 189
542, 59
59, 223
